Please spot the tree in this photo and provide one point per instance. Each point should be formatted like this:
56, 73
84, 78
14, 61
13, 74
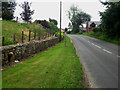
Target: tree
110, 19
8, 9
27, 13
53, 20
66, 29
77, 18
44, 23
53, 26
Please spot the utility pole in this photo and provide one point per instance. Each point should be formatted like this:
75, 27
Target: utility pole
60, 19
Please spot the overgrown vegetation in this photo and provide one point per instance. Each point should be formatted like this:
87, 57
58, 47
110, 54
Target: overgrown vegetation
61, 70
8, 9
101, 36
10, 27
110, 20
77, 18
54, 21
109, 28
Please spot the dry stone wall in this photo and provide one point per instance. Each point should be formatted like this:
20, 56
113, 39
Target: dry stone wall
24, 50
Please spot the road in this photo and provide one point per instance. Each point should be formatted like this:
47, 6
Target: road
99, 59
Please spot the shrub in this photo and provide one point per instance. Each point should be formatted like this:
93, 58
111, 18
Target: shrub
58, 34
80, 32
53, 26
68, 32
96, 29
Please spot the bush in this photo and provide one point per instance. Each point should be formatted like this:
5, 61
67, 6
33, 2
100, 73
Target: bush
96, 29
53, 26
58, 34
68, 32
80, 32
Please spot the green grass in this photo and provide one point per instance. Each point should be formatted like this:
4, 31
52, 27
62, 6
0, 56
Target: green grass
58, 67
102, 37
99, 36
10, 27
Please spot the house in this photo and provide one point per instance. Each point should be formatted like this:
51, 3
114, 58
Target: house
91, 24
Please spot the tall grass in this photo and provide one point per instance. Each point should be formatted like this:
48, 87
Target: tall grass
9, 28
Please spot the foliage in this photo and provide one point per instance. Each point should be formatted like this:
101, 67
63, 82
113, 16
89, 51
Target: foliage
53, 26
102, 36
110, 19
68, 32
66, 29
8, 9
10, 27
44, 23
58, 34
27, 12
54, 21
77, 18
80, 32
96, 29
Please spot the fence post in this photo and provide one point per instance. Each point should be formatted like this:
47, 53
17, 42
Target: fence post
34, 35
29, 34
3, 41
14, 39
22, 36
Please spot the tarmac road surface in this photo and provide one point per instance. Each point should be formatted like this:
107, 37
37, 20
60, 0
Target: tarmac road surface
99, 59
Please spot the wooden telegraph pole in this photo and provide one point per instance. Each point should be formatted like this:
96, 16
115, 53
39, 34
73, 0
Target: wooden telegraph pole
60, 19
65, 35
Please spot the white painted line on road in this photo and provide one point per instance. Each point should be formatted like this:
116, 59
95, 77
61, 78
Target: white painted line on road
89, 41
93, 44
97, 46
82, 38
107, 51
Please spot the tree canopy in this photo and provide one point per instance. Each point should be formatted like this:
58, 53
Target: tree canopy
110, 19
53, 20
77, 17
8, 9
27, 12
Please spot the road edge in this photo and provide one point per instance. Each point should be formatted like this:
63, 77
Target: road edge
87, 82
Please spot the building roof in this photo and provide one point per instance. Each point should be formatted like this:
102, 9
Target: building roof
96, 22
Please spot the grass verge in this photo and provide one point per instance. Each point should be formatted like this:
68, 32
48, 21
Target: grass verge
102, 37
58, 67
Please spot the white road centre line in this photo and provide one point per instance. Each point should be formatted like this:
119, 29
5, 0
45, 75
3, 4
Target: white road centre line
107, 51
89, 41
82, 38
93, 44
97, 46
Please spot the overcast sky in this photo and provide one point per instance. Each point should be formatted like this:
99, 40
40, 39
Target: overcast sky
45, 9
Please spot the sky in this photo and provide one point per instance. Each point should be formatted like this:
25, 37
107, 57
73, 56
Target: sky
45, 9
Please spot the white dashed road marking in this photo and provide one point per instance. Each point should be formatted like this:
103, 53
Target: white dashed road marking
107, 51
93, 44
97, 46
89, 41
